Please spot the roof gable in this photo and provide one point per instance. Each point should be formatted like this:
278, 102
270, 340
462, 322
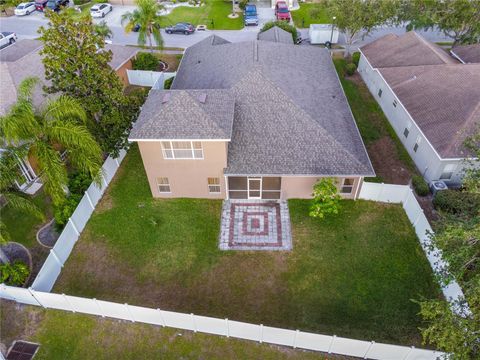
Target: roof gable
275, 34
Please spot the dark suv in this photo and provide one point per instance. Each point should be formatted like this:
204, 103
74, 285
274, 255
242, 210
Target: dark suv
56, 5
180, 28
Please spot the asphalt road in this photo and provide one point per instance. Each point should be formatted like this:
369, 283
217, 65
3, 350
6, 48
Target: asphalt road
26, 27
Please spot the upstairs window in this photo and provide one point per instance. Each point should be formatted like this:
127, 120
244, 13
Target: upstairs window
213, 185
182, 150
347, 186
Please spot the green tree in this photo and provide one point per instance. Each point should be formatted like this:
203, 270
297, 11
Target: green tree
325, 198
146, 17
457, 19
58, 126
357, 18
77, 64
471, 180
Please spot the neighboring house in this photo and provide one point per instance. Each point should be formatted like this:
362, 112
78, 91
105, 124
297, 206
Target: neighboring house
243, 120
22, 60
431, 100
275, 34
467, 54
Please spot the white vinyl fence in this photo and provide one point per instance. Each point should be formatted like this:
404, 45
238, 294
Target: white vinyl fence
215, 326
402, 194
63, 247
155, 79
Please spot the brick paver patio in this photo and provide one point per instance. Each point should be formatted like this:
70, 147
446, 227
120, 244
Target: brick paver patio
255, 225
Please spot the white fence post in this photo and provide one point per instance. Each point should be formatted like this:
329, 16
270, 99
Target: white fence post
295, 335
68, 302
261, 333
74, 228
99, 307
193, 322
409, 353
129, 313
89, 200
331, 344
227, 332
36, 299
57, 259
368, 350
162, 318
417, 219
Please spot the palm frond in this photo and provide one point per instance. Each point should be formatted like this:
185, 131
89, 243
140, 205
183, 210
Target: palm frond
26, 87
9, 165
21, 203
4, 235
62, 108
20, 123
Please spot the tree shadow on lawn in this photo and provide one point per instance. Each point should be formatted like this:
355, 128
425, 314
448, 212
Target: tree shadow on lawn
351, 275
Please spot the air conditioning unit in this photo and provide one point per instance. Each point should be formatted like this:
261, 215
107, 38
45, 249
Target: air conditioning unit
438, 185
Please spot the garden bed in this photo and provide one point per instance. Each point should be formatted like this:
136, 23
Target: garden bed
353, 275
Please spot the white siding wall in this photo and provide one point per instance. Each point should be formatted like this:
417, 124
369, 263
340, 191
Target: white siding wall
425, 158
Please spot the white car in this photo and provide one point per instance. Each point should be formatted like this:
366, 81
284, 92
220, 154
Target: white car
25, 8
7, 38
100, 10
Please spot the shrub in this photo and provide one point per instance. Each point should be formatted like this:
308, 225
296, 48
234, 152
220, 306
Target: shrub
350, 69
14, 274
80, 2
420, 186
145, 61
64, 211
282, 25
79, 182
325, 198
242, 4
168, 83
356, 58
456, 202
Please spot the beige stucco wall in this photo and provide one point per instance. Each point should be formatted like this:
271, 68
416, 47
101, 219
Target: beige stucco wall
300, 187
188, 178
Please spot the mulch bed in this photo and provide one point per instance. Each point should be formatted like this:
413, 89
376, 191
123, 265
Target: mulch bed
48, 235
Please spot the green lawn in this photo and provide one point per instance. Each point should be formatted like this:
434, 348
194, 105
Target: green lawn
214, 14
351, 275
390, 159
64, 335
310, 13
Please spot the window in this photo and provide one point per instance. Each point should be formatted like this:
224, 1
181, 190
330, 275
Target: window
395, 103
182, 150
213, 185
163, 185
448, 172
347, 186
380, 93
407, 130
417, 143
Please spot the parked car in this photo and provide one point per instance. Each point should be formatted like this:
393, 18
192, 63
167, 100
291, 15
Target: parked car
281, 11
25, 8
180, 28
250, 15
136, 28
56, 5
7, 38
100, 10
40, 4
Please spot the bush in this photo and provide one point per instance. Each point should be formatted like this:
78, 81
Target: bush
282, 25
80, 2
420, 186
168, 83
350, 69
64, 211
79, 182
242, 4
356, 58
14, 274
325, 198
146, 61
456, 202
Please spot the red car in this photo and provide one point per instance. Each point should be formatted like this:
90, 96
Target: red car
281, 11
40, 4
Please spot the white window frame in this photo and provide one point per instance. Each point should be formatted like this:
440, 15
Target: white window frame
343, 185
167, 184
210, 186
379, 93
446, 170
192, 149
417, 143
395, 103
407, 130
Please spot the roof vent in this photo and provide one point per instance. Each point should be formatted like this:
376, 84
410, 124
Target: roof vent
165, 98
202, 97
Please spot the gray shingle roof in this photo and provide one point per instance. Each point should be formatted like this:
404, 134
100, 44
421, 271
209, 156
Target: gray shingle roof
467, 53
19, 49
311, 131
275, 34
185, 114
409, 49
444, 101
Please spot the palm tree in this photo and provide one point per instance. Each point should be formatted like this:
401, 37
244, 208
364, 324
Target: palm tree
58, 126
103, 30
10, 195
147, 19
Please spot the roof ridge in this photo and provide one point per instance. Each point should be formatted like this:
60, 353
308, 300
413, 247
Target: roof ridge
466, 125
435, 49
305, 115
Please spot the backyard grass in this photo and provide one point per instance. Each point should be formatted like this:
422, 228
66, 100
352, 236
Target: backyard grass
64, 335
214, 14
310, 13
391, 161
352, 275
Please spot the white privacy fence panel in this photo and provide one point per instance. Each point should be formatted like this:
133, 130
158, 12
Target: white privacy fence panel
215, 326
63, 247
402, 194
154, 79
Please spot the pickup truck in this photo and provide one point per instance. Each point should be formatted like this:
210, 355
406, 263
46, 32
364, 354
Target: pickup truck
7, 38
250, 15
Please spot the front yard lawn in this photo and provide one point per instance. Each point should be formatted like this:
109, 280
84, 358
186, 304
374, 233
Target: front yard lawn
310, 13
214, 14
64, 335
351, 275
